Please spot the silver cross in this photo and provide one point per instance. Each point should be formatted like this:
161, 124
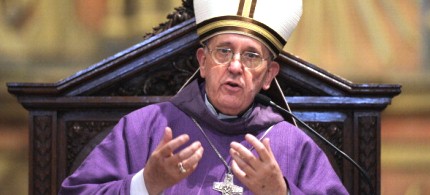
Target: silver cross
227, 187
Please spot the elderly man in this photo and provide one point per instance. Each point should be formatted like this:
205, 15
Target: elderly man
212, 138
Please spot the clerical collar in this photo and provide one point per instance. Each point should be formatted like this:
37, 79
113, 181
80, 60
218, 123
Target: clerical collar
222, 116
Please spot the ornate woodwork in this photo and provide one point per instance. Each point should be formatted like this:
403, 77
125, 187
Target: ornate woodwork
368, 151
42, 139
333, 131
68, 118
79, 135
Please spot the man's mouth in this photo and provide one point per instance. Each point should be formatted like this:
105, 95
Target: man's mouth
231, 84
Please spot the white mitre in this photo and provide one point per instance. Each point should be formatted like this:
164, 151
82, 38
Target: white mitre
269, 21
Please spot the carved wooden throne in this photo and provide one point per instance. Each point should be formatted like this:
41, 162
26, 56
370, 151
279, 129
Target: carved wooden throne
69, 117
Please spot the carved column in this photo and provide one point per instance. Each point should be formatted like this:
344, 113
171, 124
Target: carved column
41, 149
368, 124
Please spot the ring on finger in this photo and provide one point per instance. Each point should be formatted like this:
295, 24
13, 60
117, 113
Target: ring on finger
181, 168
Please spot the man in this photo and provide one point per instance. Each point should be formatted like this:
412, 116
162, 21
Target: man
212, 138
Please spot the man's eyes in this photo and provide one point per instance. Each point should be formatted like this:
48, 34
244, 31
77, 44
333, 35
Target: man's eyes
251, 55
246, 54
224, 50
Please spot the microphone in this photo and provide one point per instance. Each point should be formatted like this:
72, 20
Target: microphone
268, 102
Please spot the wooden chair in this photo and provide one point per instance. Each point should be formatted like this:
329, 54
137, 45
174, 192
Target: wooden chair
67, 119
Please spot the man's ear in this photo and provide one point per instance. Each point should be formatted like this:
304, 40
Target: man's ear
201, 58
271, 74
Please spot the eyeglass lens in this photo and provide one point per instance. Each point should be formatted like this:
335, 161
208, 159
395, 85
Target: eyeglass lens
225, 55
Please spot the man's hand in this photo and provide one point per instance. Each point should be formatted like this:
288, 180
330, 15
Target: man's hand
162, 169
261, 174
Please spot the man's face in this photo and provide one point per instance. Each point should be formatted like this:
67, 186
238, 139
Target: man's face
231, 87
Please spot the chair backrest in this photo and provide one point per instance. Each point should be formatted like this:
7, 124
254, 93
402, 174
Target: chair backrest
68, 118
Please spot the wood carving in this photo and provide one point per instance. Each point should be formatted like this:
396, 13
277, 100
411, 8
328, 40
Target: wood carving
42, 154
180, 14
79, 135
167, 79
368, 149
333, 132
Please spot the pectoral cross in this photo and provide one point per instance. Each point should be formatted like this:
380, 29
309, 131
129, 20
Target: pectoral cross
227, 187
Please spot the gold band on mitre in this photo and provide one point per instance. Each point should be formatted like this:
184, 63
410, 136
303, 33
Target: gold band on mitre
241, 25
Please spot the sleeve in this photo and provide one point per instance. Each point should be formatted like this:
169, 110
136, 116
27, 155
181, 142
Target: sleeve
109, 168
312, 171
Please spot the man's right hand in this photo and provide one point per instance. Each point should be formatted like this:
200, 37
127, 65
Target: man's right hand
163, 170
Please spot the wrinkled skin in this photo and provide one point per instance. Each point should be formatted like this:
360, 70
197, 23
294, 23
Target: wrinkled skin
231, 88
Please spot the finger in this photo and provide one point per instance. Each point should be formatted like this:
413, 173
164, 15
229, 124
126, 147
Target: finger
241, 150
191, 163
188, 151
241, 175
168, 148
261, 149
266, 142
245, 154
167, 136
243, 165
176, 143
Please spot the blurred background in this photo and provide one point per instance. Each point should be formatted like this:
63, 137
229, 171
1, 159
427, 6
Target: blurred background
364, 41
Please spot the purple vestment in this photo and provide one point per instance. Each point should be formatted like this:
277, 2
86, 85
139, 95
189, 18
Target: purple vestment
110, 166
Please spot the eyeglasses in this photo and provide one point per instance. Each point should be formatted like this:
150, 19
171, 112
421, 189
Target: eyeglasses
224, 55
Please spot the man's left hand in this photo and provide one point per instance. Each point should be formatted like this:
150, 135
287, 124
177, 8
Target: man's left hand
261, 174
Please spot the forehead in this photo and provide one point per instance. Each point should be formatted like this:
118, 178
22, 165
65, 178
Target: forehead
237, 41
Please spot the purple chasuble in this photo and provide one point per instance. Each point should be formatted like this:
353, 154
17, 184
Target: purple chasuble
108, 169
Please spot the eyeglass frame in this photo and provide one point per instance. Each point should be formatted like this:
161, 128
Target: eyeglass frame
233, 54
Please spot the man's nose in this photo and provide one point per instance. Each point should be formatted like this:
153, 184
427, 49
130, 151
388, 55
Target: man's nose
235, 65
